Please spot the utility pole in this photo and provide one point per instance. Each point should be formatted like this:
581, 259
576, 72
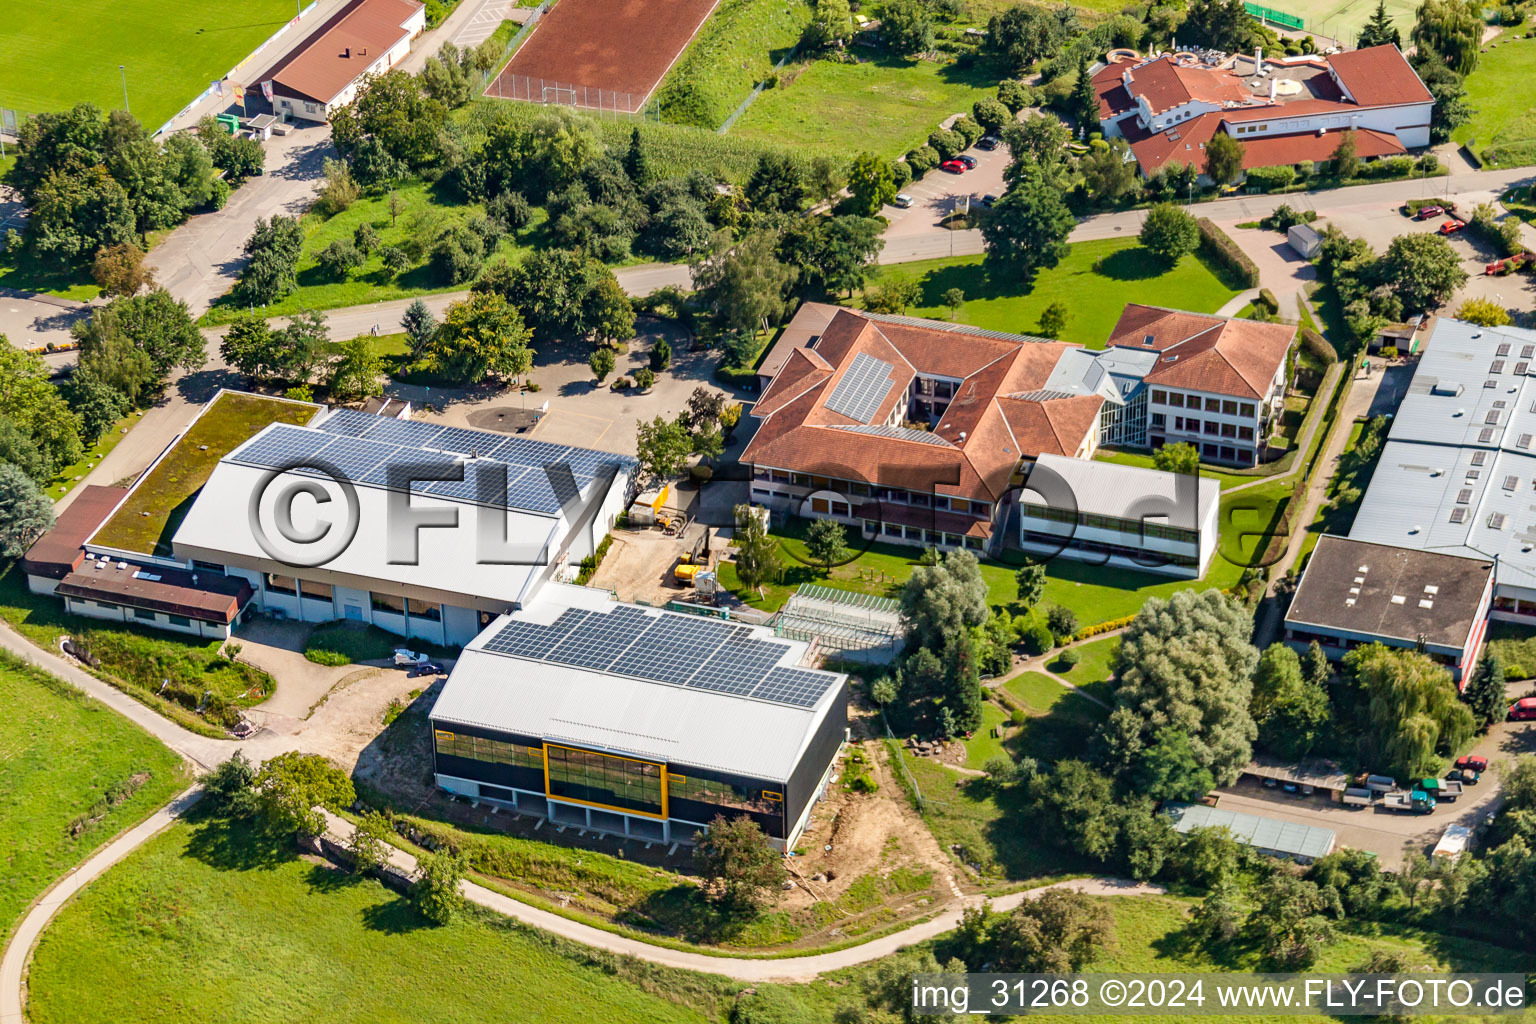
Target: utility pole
124, 72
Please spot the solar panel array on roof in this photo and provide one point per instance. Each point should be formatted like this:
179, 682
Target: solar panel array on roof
863, 387
665, 647
899, 433
514, 472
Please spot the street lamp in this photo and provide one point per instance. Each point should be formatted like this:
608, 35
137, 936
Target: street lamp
124, 72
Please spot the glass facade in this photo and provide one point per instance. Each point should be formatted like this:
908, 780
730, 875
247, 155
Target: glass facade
719, 794
618, 782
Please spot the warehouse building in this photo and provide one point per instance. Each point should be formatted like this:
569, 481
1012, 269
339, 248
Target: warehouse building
552, 503
638, 721
1270, 836
1357, 592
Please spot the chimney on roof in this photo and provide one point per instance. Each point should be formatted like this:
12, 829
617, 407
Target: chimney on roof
1258, 60
347, 52
1273, 84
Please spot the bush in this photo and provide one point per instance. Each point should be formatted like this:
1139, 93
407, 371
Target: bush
1269, 179
946, 144
1068, 659
1267, 298
1389, 167
339, 258
969, 130
1037, 639
700, 474
1219, 248
1104, 627
901, 174
1318, 345
922, 160
644, 377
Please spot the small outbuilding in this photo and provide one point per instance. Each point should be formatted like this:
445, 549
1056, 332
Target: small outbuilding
1271, 836
1304, 240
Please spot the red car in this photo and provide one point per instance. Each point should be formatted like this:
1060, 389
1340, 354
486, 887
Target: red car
953, 167
1523, 710
1472, 763
1450, 227
1426, 212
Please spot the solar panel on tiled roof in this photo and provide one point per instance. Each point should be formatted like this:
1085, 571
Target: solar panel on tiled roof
862, 388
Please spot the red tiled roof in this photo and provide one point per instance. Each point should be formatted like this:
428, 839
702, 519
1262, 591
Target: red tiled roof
799, 433
343, 48
1214, 354
1379, 76
924, 518
1272, 150
1184, 143
61, 550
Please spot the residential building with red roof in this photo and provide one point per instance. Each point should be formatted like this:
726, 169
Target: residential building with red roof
1283, 111
922, 432
364, 37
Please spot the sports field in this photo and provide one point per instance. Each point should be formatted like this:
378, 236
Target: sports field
1343, 19
603, 54
59, 54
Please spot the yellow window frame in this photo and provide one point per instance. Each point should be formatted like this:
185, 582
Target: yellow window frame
661, 774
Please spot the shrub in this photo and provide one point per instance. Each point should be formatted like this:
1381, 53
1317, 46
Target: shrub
1270, 179
1318, 345
1267, 297
901, 174
922, 160
1104, 627
1037, 639
700, 474
946, 144
1219, 248
644, 377
968, 129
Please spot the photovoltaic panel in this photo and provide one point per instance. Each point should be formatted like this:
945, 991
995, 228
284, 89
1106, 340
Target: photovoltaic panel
481, 477
408, 459
738, 658
601, 639
522, 639
673, 648
280, 446
403, 432
465, 441
353, 457
798, 686
864, 385
349, 422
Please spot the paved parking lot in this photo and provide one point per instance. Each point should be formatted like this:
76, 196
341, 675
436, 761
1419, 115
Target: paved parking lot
940, 193
1391, 834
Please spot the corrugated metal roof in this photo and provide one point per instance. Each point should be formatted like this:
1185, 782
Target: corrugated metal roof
1111, 489
676, 724
1271, 834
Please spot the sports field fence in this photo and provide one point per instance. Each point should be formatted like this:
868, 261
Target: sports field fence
609, 103
1269, 14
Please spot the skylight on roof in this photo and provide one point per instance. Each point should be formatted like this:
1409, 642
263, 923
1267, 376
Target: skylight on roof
1496, 521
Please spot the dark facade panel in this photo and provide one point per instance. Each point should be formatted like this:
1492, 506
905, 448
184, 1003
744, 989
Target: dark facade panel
818, 754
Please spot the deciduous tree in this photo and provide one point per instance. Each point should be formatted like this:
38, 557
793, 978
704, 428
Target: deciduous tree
272, 259
663, 446
1410, 709
1169, 233
1423, 270
480, 337
1028, 229
120, 270
1223, 158
939, 601
359, 373
740, 869
436, 894
25, 511
290, 786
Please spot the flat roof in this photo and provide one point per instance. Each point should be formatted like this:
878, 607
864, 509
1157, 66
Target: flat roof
1388, 591
1458, 472
146, 519
208, 596
1312, 771
1120, 491
1285, 837
718, 710
60, 551
345, 47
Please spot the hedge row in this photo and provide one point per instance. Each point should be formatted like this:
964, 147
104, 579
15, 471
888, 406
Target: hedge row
1102, 627
1318, 345
1217, 245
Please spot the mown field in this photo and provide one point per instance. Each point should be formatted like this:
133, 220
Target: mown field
72, 775
1502, 128
58, 56
1095, 281
737, 48
883, 105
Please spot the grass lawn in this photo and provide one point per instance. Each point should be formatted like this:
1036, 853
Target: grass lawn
1094, 669
1095, 593
211, 923
138, 660
1096, 281
1502, 128
166, 493
425, 212
72, 775
885, 106
737, 48
1516, 647
1060, 723
25, 272
982, 745
69, 476
56, 58
342, 643
1128, 458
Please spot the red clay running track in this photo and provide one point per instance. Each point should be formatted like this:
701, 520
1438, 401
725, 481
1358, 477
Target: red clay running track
616, 46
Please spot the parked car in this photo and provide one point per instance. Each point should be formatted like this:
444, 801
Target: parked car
1426, 212
987, 200
1450, 227
989, 142
1465, 776
1472, 762
428, 668
968, 160
405, 657
1270, 783
1523, 710
953, 167
903, 201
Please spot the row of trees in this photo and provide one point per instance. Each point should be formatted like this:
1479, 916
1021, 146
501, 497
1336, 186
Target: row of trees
91, 181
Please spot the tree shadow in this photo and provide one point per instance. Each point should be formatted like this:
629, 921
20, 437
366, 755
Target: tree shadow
683, 911
236, 845
394, 917
325, 879
1133, 264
